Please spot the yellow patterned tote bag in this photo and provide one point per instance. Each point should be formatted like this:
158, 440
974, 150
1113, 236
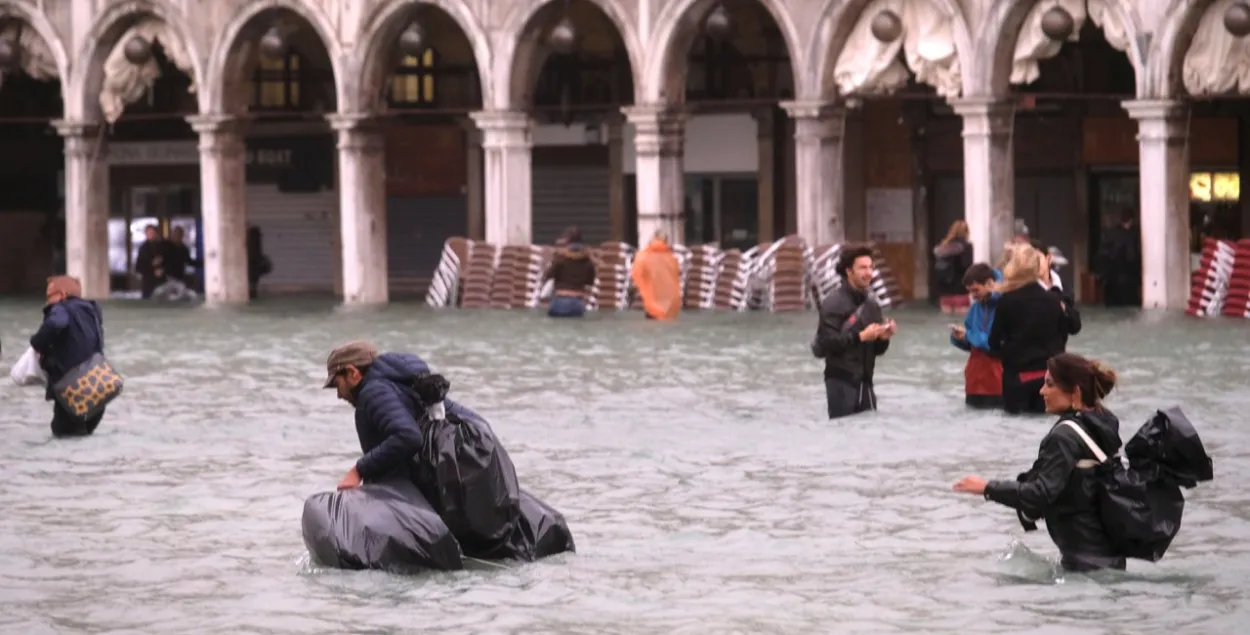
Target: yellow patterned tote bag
88, 388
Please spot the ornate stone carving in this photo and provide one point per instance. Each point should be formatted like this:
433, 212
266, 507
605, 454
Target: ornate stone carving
1033, 45
658, 130
358, 133
869, 65
220, 135
34, 55
1217, 63
82, 140
125, 82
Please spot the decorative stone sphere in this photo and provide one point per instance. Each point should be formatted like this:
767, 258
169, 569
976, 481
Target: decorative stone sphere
1058, 24
1237, 19
10, 53
717, 25
138, 50
886, 26
272, 44
412, 40
563, 36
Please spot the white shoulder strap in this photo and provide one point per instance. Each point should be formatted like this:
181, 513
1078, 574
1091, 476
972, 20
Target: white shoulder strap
1089, 443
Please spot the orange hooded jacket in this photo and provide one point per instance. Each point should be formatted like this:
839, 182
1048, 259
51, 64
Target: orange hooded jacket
657, 275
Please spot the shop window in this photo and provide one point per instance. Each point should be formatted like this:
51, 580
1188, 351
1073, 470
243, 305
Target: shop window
277, 83
413, 84
1215, 207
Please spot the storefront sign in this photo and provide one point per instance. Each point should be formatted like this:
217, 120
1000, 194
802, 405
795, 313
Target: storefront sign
300, 162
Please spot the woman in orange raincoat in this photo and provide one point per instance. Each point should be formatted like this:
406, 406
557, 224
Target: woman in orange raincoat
657, 274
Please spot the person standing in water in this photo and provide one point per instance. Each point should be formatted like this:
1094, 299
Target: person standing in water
953, 258
983, 374
1030, 326
1056, 487
572, 271
657, 275
71, 333
851, 334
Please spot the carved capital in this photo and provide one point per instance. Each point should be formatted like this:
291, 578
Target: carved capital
816, 121
658, 130
221, 136
1159, 120
503, 129
985, 116
82, 139
359, 133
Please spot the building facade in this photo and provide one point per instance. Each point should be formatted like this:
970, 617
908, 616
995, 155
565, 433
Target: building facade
361, 134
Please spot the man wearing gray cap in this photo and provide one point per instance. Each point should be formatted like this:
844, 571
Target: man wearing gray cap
379, 387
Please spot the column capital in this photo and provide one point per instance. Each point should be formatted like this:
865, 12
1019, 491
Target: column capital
659, 130
982, 106
813, 109
70, 128
503, 128
357, 132
1158, 109
662, 115
216, 123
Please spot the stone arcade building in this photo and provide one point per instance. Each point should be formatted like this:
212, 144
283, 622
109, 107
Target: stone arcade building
990, 138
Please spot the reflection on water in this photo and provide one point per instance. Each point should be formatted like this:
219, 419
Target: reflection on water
705, 490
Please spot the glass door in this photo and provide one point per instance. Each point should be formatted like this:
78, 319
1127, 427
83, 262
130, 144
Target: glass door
164, 206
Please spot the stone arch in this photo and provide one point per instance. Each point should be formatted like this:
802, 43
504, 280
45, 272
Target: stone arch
383, 28
225, 63
839, 19
675, 32
1172, 41
508, 75
1001, 30
87, 73
39, 22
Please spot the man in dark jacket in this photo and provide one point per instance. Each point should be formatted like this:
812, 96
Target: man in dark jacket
851, 334
72, 331
150, 263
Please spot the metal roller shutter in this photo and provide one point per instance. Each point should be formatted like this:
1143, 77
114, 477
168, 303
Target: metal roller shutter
416, 229
300, 237
571, 195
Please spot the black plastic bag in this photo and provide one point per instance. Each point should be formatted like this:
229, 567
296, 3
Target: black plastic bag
543, 530
387, 526
465, 472
1141, 506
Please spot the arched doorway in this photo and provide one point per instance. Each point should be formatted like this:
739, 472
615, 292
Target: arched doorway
274, 181
1067, 138
572, 75
720, 72
421, 79
32, 218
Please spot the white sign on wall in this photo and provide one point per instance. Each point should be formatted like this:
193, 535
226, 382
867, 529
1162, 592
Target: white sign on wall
153, 153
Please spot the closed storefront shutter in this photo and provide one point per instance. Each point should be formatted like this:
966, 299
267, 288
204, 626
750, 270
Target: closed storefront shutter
416, 229
300, 233
567, 195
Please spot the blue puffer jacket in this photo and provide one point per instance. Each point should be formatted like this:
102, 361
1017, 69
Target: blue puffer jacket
70, 334
387, 416
977, 322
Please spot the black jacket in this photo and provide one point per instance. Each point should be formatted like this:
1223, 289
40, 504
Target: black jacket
71, 333
952, 261
388, 414
843, 315
1062, 493
572, 269
1030, 326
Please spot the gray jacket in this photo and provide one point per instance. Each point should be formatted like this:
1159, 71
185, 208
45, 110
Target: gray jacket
843, 315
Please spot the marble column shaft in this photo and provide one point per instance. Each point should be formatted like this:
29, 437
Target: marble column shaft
989, 175
223, 207
659, 139
1161, 137
86, 207
362, 209
820, 215
507, 172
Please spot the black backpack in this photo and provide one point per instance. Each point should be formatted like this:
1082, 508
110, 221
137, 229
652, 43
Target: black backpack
1141, 505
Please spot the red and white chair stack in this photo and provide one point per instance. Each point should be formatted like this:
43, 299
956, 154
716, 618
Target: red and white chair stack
1211, 280
1237, 302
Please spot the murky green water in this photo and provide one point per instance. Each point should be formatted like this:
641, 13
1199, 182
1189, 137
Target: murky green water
706, 492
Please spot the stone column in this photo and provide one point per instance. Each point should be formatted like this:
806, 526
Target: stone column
767, 173
820, 215
362, 208
507, 163
658, 149
86, 207
223, 205
1162, 131
989, 175
475, 195
616, 176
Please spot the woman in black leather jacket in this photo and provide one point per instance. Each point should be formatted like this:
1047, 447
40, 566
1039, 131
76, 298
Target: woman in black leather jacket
1059, 486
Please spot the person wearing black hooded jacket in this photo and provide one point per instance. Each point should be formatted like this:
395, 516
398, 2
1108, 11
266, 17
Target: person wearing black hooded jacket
379, 387
71, 333
1060, 485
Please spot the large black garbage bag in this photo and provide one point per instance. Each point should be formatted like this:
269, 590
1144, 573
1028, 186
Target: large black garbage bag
1141, 505
387, 526
465, 472
543, 530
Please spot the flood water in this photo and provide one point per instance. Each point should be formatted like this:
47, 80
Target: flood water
705, 489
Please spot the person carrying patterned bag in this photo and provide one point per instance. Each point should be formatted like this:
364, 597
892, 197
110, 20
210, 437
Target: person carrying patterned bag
71, 334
